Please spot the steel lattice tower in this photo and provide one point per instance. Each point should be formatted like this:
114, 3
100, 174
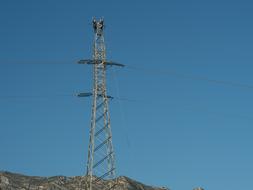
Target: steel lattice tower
101, 158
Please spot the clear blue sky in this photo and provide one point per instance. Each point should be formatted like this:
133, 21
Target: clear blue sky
182, 125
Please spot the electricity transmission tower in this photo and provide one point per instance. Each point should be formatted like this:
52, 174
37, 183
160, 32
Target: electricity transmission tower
101, 158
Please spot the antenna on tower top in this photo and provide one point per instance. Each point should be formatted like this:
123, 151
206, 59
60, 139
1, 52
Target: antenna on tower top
98, 26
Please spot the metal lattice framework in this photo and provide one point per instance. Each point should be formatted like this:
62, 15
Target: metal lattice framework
101, 158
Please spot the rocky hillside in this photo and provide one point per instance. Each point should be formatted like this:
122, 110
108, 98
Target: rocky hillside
12, 181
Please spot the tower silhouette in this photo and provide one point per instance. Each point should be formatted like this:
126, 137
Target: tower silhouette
101, 157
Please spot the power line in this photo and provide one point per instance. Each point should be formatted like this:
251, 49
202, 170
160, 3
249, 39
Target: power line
141, 69
35, 62
190, 76
207, 111
34, 96
122, 113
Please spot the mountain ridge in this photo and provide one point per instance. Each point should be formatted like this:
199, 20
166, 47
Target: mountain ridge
17, 181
